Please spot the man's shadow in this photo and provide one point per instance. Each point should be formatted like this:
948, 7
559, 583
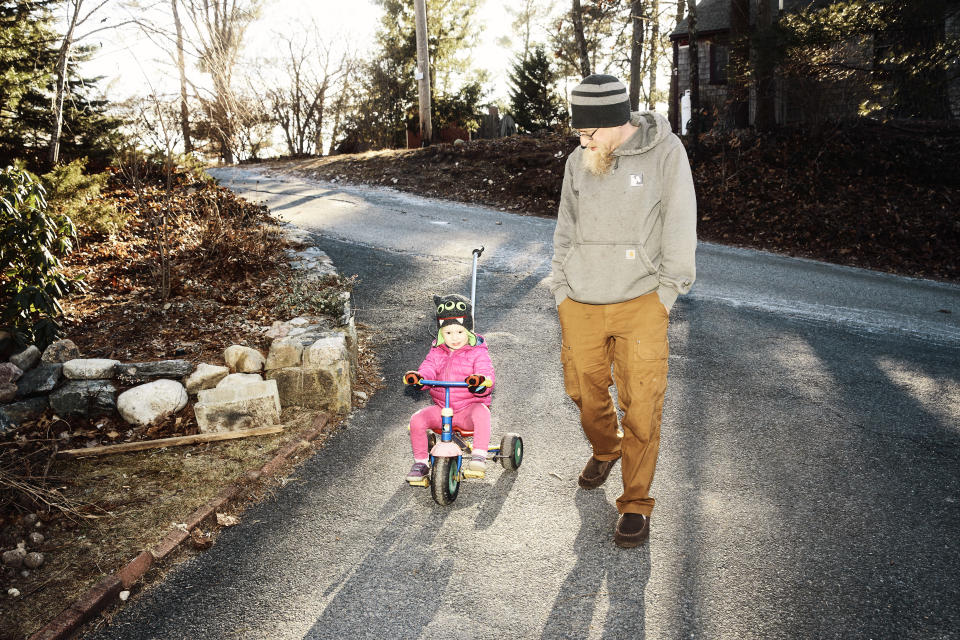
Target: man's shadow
602, 571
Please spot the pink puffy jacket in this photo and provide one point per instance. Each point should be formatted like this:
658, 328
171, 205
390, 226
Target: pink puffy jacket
448, 365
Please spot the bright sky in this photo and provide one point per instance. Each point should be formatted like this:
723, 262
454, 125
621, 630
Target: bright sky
132, 64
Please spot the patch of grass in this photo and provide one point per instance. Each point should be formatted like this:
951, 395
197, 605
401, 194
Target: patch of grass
131, 502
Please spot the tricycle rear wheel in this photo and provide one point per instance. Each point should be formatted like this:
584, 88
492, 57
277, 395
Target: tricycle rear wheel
511, 451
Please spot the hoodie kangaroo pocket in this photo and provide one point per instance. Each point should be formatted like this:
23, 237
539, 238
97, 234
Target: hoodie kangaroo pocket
609, 267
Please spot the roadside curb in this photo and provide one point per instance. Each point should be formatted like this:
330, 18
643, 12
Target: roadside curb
106, 591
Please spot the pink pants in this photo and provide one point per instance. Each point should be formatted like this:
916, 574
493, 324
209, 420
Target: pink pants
475, 417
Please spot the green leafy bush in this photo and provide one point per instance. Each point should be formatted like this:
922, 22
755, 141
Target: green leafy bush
73, 193
32, 241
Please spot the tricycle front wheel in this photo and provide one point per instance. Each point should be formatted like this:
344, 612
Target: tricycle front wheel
445, 480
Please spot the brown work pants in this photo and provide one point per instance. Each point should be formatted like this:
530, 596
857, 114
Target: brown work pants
632, 336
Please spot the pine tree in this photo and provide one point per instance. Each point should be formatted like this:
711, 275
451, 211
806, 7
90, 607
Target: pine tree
384, 102
28, 56
533, 100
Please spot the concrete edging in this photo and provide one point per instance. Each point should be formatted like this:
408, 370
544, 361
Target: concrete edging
102, 594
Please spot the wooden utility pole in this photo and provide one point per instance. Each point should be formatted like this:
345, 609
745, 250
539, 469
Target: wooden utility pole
423, 73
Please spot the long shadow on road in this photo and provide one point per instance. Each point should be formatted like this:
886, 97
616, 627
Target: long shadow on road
810, 469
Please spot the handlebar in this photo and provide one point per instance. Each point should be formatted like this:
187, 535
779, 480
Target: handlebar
442, 383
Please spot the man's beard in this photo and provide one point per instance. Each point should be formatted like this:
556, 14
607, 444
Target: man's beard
598, 162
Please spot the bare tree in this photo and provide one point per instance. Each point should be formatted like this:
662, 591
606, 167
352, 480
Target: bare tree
636, 52
525, 17
220, 26
576, 15
181, 68
75, 19
655, 46
299, 104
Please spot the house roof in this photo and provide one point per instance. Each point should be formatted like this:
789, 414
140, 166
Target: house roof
714, 15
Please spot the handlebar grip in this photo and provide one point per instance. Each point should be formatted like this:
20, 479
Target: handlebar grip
474, 379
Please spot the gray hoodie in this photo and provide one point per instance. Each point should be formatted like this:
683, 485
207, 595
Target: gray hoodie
632, 231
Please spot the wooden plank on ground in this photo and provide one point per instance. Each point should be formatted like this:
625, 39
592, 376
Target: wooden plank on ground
142, 445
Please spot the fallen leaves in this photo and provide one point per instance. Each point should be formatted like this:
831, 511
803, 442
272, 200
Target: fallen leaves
225, 520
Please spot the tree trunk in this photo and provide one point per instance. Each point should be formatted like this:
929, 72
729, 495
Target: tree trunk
181, 67
577, 15
693, 51
62, 58
654, 52
765, 67
737, 69
674, 109
636, 53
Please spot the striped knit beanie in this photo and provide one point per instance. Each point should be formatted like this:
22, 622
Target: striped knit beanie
599, 101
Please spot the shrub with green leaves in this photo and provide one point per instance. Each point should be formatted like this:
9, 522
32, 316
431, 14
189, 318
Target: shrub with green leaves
73, 193
32, 242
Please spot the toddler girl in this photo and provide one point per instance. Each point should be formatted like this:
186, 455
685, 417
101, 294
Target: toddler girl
455, 355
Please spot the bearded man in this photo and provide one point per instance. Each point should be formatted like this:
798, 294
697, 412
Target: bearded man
624, 250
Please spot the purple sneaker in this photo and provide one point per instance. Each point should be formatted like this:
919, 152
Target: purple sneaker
419, 474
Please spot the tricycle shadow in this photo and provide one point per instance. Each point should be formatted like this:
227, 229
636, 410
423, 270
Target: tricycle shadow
624, 572
379, 586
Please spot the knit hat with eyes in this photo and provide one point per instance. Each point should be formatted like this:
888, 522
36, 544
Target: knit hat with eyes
454, 309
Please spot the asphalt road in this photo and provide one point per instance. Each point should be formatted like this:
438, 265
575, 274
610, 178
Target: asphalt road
807, 486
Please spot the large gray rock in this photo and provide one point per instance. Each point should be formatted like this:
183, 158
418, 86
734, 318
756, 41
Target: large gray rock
10, 372
17, 413
240, 359
88, 398
27, 358
286, 352
237, 379
60, 351
90, 369
8, 392
322, 381
145, 371
147, 403
205, 376
43, 379
244, 406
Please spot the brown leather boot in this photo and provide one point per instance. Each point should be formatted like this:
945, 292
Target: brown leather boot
596, 472
632, 530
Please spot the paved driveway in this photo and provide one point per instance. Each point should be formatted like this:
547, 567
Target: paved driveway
807, 485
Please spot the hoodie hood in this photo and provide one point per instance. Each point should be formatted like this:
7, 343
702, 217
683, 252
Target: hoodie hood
652, 129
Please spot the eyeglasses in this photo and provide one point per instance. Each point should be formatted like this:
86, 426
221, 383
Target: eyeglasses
584, 134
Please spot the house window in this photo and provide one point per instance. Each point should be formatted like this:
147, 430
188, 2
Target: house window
719, 59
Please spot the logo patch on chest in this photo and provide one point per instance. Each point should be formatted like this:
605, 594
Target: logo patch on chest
636, 179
